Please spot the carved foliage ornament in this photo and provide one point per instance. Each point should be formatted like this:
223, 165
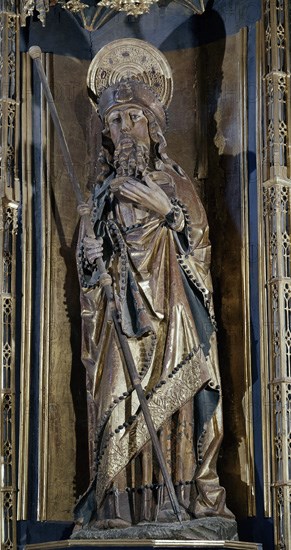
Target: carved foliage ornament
80, 7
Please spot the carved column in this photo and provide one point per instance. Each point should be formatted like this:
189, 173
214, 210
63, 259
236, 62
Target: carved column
9, 197
276, 272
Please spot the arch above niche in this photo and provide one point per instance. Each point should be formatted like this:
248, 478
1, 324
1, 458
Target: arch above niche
92, 16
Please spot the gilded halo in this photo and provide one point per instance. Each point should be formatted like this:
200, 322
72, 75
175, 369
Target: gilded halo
130, 58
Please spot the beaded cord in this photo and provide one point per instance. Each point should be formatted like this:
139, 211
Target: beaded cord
132, 418
131, 227
199, 447
180, 207
119, 247
109, 436
148, 356
146, 364
175, 218
180, 218
86, 269
153, 487
182, 257
205, 293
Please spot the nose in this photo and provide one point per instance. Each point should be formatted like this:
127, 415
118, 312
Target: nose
125, 122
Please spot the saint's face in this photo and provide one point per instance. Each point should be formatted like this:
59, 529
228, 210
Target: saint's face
128, 120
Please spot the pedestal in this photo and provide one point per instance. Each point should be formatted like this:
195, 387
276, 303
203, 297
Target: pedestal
205, 533
145, 544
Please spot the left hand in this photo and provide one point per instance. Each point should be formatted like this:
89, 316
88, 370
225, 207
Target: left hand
93, 248
149, 196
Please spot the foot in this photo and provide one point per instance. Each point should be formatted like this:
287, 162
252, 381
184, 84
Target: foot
167, 515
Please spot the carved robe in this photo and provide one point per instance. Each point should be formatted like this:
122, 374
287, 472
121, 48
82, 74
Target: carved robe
163, 294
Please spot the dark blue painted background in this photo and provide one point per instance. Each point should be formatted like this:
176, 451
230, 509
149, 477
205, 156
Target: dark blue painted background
169, 28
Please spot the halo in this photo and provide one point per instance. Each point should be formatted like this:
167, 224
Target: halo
131, 58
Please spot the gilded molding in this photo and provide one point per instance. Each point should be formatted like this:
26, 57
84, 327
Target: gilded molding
125, 543
27, 293
248, 408
275, 268
27, 244
7, 412
263, 314
9, 195
45, 308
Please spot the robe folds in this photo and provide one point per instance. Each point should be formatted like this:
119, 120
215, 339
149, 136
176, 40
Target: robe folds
163, 294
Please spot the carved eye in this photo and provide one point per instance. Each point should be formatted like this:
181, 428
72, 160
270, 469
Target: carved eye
115, 119
136, 116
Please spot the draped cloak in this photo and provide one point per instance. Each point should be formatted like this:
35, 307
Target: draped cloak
163, 294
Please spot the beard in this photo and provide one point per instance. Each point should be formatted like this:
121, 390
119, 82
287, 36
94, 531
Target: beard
131, 158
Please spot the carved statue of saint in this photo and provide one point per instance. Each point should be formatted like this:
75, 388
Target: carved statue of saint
152, 232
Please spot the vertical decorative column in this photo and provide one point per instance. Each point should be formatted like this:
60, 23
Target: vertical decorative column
9, 198
276, 225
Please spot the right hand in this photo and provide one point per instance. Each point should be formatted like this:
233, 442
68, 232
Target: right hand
93, 248
84, 209
150, 196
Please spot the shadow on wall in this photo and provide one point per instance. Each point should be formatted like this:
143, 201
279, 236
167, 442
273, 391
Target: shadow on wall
223, 201
217, 175
78, 373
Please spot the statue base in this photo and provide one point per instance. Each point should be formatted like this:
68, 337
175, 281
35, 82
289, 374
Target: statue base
145, 544
204, 533
212, 528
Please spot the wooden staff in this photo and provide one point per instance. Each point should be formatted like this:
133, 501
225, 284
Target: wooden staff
106, 283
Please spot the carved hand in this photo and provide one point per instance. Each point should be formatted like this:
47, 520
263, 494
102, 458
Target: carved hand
149, 196
93, 248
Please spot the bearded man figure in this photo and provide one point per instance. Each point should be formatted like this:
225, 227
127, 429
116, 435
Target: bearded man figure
152, 232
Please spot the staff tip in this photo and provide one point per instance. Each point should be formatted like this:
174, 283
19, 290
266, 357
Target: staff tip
179, 515
34, 52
